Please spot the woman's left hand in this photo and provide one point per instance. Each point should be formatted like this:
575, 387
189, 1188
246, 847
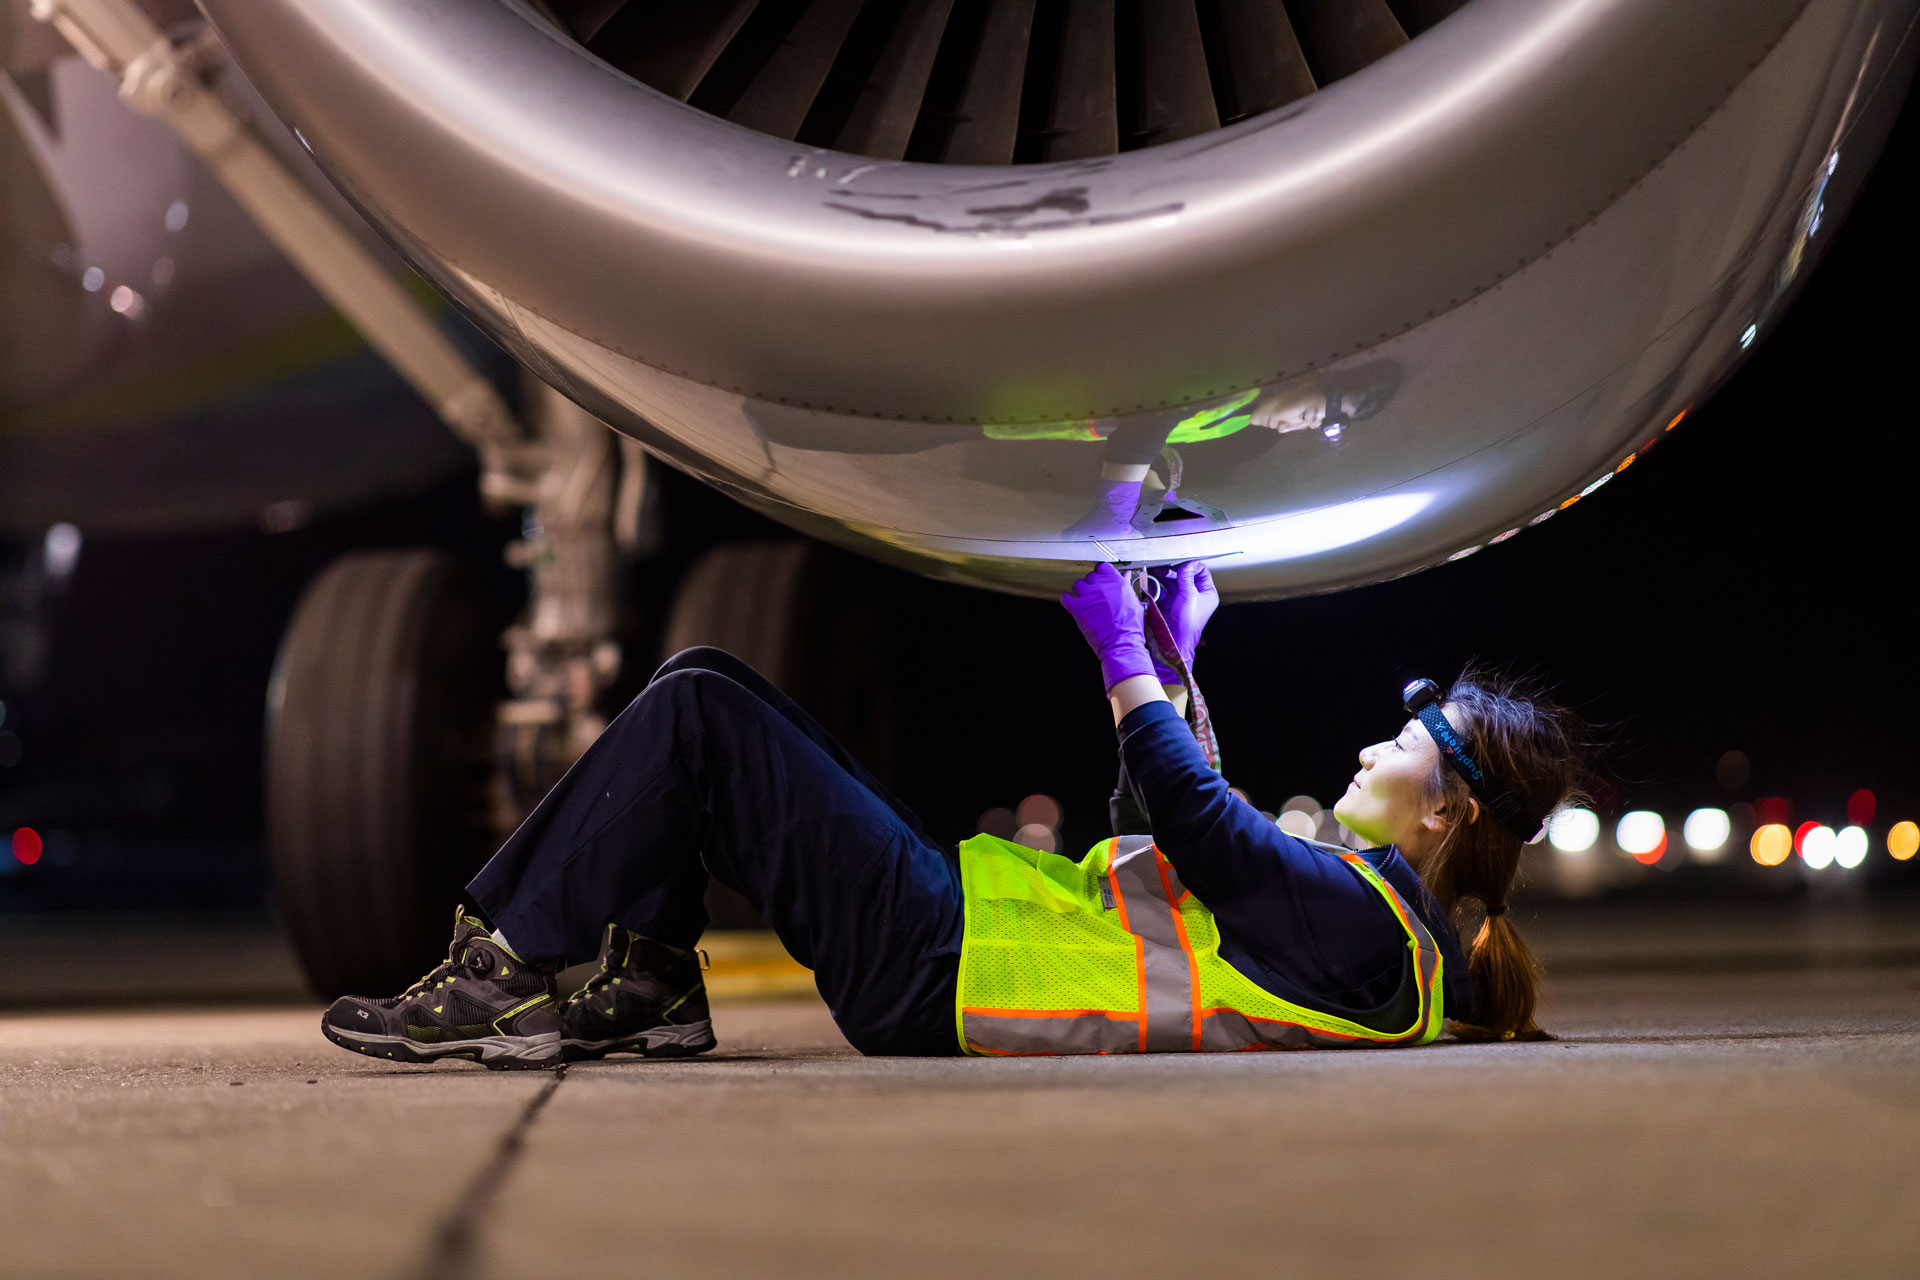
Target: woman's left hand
1188, 600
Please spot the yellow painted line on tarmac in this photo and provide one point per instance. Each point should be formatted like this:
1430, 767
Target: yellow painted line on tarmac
752, 965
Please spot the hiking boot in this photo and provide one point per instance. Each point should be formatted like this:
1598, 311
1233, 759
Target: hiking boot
481, 1004
648, 998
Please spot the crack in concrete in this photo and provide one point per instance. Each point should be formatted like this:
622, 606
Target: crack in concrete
455, 1251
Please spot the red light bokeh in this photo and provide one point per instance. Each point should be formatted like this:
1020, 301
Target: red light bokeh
1861, 806
26, 846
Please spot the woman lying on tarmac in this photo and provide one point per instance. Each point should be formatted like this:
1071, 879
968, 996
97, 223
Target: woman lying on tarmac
1216, 931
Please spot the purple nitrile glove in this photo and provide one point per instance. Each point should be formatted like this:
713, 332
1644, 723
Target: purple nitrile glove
1112, 619
1187, 599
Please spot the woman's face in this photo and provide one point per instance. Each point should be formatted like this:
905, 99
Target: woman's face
1391, 799
1296, 409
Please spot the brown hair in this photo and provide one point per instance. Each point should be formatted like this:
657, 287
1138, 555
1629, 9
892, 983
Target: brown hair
1531, 748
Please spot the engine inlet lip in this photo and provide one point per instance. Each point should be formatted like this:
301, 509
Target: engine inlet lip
683, 223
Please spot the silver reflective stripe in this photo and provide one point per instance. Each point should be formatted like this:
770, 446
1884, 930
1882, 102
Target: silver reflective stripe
1168, 971
1067, 1033
1223, 1030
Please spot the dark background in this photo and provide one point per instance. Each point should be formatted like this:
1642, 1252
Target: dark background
1746, 586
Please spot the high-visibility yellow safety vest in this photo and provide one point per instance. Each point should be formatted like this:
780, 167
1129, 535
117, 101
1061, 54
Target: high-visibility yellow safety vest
1112, 955
1217, 423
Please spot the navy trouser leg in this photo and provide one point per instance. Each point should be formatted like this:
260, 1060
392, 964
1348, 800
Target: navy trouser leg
711, 770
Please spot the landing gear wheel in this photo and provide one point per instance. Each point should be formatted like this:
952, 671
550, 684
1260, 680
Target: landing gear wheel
792, 611
380, 739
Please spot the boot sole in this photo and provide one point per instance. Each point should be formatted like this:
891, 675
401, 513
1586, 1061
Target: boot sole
500, 1053
670, 1041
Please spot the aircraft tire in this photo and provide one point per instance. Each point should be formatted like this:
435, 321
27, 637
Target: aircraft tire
380, 740
793, 610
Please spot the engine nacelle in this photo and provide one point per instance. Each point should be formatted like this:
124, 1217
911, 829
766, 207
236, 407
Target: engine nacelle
1423, 293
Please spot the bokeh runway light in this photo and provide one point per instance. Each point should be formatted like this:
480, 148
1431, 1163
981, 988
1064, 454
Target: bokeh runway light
1904, 840
1573, 830
1706, 832
1642, 834
1819, 847
26, 846
1850, 847
1772, 844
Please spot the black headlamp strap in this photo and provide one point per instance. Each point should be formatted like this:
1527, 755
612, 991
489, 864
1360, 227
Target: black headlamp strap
1334, 420
1422, 698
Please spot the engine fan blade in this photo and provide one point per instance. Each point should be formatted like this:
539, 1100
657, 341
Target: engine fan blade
778, 100
1342, 36
1259, 63
988, 122
889, 104
668, 44
1085, 116
1176, 90
1418, 15
584, 18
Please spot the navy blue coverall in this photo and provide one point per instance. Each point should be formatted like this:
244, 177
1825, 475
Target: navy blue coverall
713, 771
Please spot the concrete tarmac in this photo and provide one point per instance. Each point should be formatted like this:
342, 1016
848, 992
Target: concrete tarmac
1761, 1123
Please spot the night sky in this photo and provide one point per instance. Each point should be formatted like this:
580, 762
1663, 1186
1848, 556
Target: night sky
1746, 586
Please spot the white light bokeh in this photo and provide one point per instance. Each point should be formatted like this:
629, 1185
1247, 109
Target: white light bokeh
1036, 836
1296, 823
1850, 847
1819, 848
1573, 830
1706, 832
1640, 832
61, 551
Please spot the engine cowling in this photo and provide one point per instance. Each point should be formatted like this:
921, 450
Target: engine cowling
1326, 293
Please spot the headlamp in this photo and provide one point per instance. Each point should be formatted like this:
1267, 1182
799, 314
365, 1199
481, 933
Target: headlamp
1334, 421
1422, 700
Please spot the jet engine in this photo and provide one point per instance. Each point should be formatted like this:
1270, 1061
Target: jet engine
1324, 291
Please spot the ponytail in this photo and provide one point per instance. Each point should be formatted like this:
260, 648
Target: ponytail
1529, 744
1506, 984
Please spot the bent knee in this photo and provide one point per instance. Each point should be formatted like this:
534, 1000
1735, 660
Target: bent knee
701, 657
698, 692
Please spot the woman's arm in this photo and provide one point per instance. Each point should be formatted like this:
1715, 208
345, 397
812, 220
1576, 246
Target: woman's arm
1225, 850
1138, 691
1135, 691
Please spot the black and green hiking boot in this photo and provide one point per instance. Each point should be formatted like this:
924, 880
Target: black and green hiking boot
481, 1004
648, 998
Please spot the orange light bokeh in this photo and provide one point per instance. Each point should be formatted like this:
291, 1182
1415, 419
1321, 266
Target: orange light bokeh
1772, 844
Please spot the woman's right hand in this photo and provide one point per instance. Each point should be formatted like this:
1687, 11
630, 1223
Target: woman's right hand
1113, 620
